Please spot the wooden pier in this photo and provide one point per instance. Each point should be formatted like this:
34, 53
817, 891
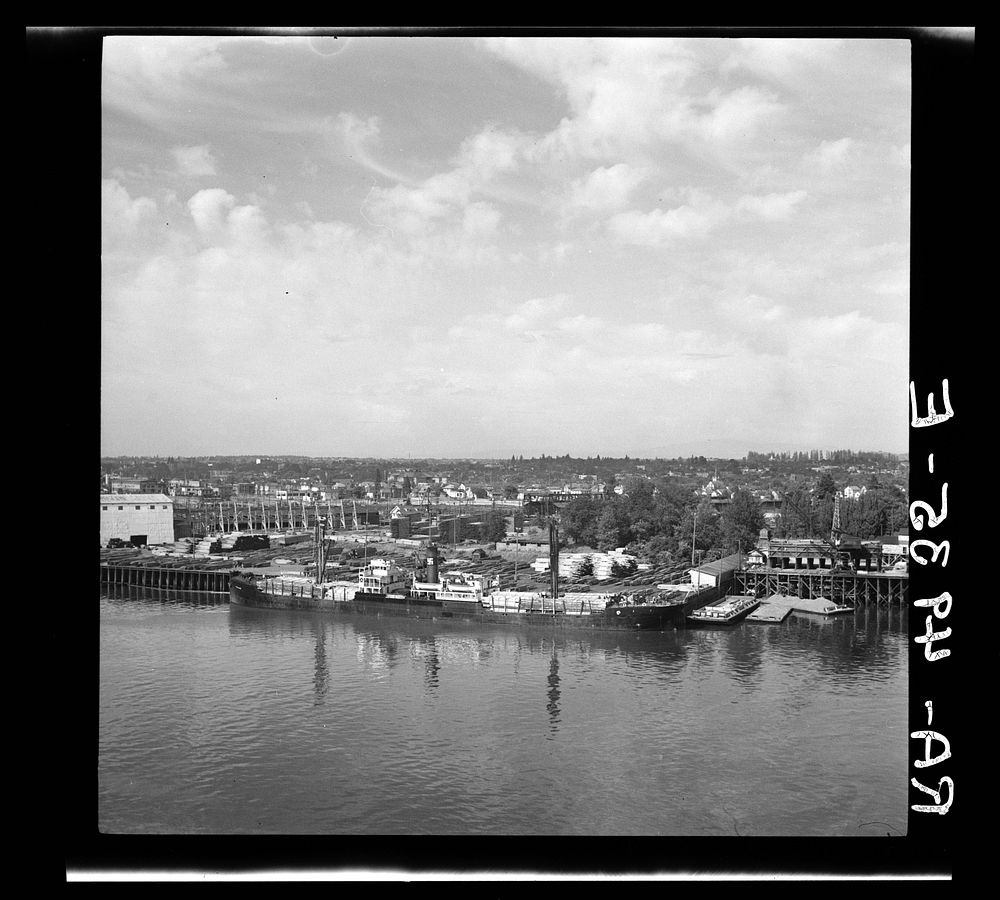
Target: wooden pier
213, 580
851, 588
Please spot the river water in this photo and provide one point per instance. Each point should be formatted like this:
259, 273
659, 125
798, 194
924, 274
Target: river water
216, 719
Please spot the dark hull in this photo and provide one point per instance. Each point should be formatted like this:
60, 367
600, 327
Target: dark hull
244, 593
626, 618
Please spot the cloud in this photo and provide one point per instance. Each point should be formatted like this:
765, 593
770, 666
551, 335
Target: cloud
145, 75
120, 213
519, 244
452, 201
771, 207
360, 139
694, 219
194, 161
697, 218
780, 58
831, 155
735, 115
581, 325
208, 208
628, 97
604, 188
532, 313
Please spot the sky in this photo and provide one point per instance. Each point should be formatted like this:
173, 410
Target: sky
439, 246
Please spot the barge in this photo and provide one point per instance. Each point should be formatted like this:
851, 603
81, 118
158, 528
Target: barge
726, 611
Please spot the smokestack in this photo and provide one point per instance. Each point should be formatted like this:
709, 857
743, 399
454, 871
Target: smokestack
432, 564
554, 557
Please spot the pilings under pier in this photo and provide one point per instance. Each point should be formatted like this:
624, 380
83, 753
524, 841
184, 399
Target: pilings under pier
851, 588
177, 578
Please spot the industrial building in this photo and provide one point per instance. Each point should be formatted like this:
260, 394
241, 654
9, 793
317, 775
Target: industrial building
715, 573
137, 518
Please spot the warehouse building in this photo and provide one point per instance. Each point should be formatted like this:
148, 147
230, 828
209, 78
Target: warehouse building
719, 572
137, 518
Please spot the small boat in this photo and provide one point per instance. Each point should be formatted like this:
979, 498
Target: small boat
834, 610
726, 611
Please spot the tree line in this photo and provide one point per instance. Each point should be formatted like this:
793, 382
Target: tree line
668, 524
662, 522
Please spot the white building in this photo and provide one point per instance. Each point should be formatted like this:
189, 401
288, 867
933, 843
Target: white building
137, 518
714, 573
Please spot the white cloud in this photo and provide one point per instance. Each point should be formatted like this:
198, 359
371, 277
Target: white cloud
657, 227
533, 312
627, 97
737, 114
781, 58
247, 225
771, 207
144, 74
194, 161
120, 213
581, 325
480, 219
604, 188
359, 139
831, 155
208, 208
520, 240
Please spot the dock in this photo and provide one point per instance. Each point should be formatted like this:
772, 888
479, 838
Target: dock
209, 576
770, 612
850, 588
817, 605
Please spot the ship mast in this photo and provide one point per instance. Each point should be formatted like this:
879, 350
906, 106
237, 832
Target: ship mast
320, 538
554, 560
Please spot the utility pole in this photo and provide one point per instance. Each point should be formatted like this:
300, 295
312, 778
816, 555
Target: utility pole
694, 534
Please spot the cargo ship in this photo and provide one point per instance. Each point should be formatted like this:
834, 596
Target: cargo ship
383, 589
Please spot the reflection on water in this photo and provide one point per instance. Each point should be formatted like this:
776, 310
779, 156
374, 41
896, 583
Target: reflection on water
139, 598
553, 705
218, 719
321, 681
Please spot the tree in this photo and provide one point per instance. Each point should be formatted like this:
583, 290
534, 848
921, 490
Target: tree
624, 568
698, 523
825, 486
493, 527
579, 521
798, 515
613, 526
741, 522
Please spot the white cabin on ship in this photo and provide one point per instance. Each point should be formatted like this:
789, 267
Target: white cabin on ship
381, 576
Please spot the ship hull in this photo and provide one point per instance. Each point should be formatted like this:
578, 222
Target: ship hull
244, 593
626, 618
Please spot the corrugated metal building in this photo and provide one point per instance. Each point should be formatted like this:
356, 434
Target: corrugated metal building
138, 518
715, 573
